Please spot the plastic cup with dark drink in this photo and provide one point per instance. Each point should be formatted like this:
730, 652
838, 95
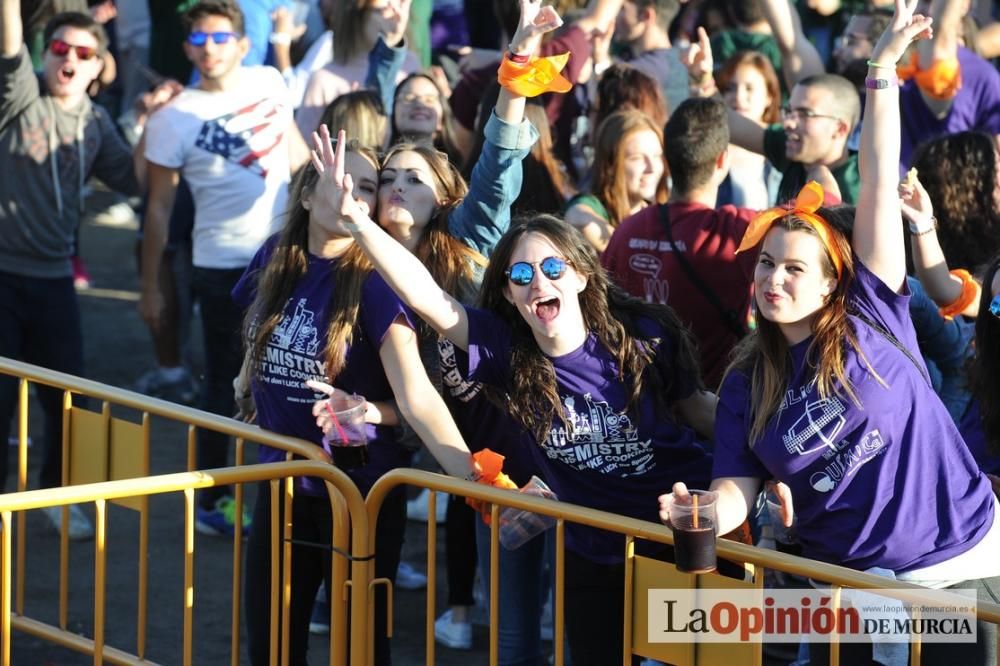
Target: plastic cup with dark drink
347, 441
693, 521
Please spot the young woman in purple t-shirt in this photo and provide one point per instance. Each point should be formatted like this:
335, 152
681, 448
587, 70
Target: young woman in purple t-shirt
594, 374
830, 397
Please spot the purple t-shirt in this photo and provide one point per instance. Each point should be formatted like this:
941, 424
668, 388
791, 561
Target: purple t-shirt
611, 460
295, 353
889, 484
976, 106
483, 424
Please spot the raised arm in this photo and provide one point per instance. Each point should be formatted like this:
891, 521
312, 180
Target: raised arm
947, 16
878, 234
799, 58
402, 270
495, 183
929, 261
11, 30
699, 61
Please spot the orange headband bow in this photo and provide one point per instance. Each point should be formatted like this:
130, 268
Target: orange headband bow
806, 204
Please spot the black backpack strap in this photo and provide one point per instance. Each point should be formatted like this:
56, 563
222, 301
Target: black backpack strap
894, 340
730, 318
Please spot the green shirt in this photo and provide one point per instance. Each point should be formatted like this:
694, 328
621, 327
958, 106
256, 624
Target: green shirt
592, 202
793, 174
728, 43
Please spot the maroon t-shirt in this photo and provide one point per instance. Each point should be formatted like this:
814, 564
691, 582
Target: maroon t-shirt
641, 260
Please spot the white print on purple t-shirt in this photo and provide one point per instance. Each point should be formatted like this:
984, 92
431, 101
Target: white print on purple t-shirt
290, 357
599, 439
821, 422
458, 387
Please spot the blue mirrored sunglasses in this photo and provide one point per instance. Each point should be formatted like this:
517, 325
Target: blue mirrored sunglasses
521, 272
201, 38
995, 306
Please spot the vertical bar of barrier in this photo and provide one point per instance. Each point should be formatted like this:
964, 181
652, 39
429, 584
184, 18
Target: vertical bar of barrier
336, 595
834, 641
494, 584
100, 571
5, 597
188, 571
916, 647
275, 582
143, 601
431, 576
22, 485
286, 571
234, 642
192, 448
629, 573
64, 532
559, 603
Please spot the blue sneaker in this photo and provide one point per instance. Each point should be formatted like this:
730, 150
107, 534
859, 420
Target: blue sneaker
220, 519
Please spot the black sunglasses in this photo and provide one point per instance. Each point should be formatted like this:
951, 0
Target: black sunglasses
522, 273
201, 38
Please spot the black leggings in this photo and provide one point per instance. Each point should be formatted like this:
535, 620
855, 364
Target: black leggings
312, 521
460, 551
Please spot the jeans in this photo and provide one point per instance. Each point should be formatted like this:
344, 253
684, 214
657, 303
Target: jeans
40, 324
312, 521
523, 589
222, 323
980, 653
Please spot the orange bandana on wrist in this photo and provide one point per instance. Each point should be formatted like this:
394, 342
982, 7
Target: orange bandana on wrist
806, 204
941, 81
489, 464
539, 75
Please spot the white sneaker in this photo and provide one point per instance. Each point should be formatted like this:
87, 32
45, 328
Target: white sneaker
456, 635
408, 578
80, 528
416, 508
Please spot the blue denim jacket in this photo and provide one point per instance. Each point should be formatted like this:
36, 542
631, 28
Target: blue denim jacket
945, 346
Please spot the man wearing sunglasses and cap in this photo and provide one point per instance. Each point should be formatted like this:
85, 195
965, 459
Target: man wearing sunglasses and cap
53, 141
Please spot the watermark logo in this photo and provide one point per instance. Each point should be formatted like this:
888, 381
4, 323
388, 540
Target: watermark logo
862, 616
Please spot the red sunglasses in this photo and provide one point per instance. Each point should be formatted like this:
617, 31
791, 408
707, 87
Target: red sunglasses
58, 47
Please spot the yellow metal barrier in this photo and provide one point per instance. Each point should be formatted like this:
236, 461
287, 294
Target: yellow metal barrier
99, 447
641, 573
188, 482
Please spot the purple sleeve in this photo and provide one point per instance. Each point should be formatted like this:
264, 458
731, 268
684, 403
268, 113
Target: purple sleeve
733, 457
983, 80
380, 307
489, 348
874, 300
246, 287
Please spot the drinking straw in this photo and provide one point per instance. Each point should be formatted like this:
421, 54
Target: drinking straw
694, 498
336, 422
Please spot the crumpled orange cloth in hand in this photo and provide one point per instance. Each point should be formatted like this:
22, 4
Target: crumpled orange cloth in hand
941, 81
489, 463
539, 75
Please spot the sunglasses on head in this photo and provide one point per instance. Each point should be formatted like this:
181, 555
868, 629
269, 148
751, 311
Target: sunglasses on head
995, 306
201, 38
58, 47
522, 273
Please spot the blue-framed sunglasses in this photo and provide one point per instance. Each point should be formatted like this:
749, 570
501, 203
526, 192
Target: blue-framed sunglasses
201, 38
522, 273
995, 306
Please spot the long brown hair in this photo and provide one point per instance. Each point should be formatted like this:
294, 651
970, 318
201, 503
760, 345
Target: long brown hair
447, 258
289, 263
347, 21
609, 162
764, 355
985, 366
608, 312
758, 61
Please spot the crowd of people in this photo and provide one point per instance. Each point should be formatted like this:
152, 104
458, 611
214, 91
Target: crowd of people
633, 246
